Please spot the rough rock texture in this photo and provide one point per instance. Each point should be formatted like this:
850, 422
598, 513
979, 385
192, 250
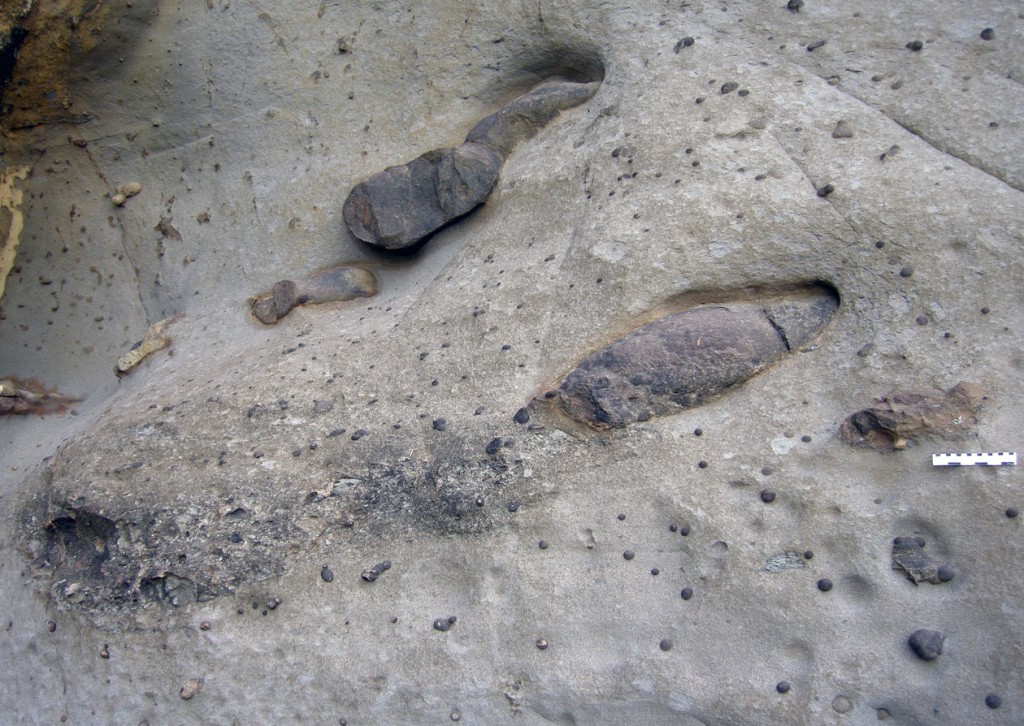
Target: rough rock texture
335, 284
400, 206
685, 359
243, 124
901, 418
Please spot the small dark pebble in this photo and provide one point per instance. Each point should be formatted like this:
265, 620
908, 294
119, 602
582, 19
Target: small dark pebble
442, 625
985, 311
743, 92
686, 593
993, 700
621, 517
685, 531
513, 507
806, 439
628, 554
825, 190
335, 433
795, 5
479, 501
824, 584
926, 644
51, 626
326, 575
782, 686
493, 447
698, 432
543, 544
702, 464
666, 644
767, 496
915, 45
273, 602
1012, 512
655, 571
684, 43
542, 644
988, 34
673, 528
729, 87
766, 470
907, 271
522, 416
815, 45
439, 424
809, 555
205, 625
945, 573
105, 653
921, 320
359, 433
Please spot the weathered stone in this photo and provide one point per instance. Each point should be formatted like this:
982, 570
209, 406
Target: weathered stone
688, 358
330, 285
401, 205
909, 558
899, 419
926, 644
524, 117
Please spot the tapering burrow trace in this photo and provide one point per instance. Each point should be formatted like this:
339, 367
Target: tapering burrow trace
399, 207
332, 284
687, 358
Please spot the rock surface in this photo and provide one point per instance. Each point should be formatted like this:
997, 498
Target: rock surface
175, 528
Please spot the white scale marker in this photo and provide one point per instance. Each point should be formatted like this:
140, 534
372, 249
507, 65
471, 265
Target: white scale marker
1002, 458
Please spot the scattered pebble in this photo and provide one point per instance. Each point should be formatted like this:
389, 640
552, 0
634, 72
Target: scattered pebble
906, 271
806, 439
915, 45
824, 191
543, 544
273, 602
621, 517
105, 652
493, 446
205, 625
993, 700
702, 464
767, 496
522, 416
808, 555
926, 644
685, 531
542, 644
766, 471
684, 43
988, 34
445, 624
815, 45
921, 320
985, 311
51, 626
335, 433
945, 573
439, 424
376, 571
326, 575
456, 715
192, 687
686, 593
795, 5
655, 571
665, 644
513, 507
1011, 513
675, 527
782, 686
729, 87
359, 433
698, 432
628, 554
824, 584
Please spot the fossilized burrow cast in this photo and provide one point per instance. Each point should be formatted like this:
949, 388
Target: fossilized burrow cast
398, 207
329, 285
685, 359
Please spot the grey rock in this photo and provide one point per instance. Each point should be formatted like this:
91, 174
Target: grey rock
329, 285
926, 644
908, 557
401, 205
686, 359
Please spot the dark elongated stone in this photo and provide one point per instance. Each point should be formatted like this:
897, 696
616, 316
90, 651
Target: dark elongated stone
686, 359
926, 644
401, 205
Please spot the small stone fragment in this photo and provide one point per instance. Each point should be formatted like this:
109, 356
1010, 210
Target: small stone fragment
628, 555
767, 496
842, 130
825, 190
493, 446
51, 626
442, 625
332, 284
824, 584
665, 644
988, 34
205, 625
542, 644
906, 271
376, 571
439, 424
794, 5
729, 87
815, 45
909, 558
683, 43
155, 339
326, 575
1012, 512
899, 419
926, 644
915, 45
522, 416
191, 688
993, 700
358, 434
105, 652
782, 686
686, 593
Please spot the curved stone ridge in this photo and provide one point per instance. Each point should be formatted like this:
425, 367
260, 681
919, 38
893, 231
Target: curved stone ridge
685, 359
328, 285
398, 207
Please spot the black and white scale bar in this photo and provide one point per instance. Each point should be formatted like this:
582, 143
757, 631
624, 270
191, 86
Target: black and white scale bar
1002, 458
